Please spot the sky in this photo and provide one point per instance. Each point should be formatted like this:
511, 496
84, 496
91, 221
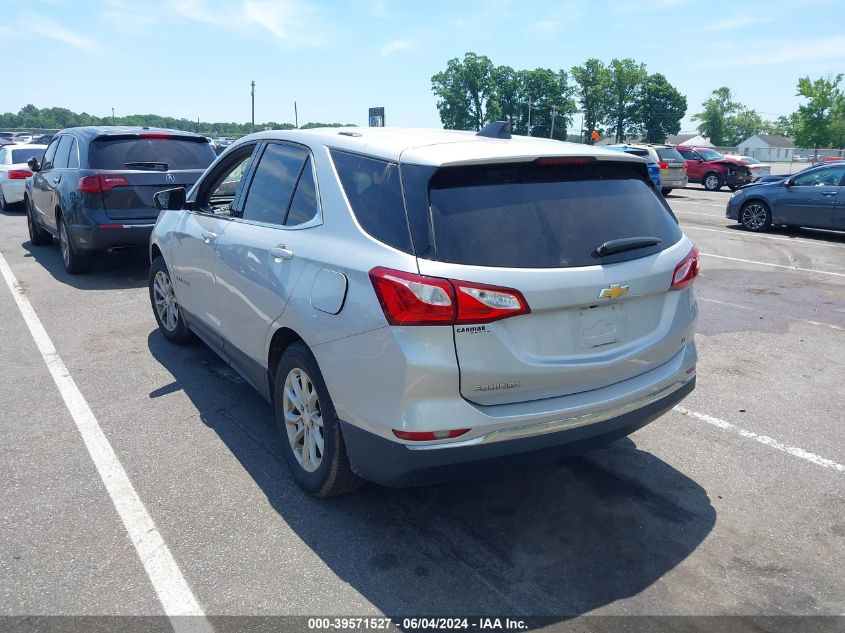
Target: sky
336, 58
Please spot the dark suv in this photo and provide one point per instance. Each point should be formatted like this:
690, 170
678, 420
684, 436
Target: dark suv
95, 185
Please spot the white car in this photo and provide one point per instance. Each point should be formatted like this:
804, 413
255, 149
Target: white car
757, 167
14, 171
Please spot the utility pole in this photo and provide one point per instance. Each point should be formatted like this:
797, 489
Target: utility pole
295, 115
112, 116
253, 106
554, 113
528, 101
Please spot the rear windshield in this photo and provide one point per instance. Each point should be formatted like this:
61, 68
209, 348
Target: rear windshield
174, 153
540, 216
670, 155
23, 155
637, 152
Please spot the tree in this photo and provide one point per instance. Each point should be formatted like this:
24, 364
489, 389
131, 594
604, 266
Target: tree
815, 118
783, 125
547, 90
465, 90
507, 104
742, 125
592, 92
714, 117
659, 110
625, 82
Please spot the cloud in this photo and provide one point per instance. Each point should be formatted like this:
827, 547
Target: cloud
650, 6
394, 47
292, 22
784, 51
546, 25
378, 9
45, 27
731, 24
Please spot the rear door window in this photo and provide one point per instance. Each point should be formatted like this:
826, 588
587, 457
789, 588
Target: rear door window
63, 152
49, 155
533, 216
669, 155
150, 153
303, 207
374, 191
271, 189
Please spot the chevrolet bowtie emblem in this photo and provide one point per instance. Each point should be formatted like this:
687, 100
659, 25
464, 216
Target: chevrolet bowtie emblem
614, 292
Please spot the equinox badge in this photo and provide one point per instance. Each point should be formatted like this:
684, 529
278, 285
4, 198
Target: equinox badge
614, 292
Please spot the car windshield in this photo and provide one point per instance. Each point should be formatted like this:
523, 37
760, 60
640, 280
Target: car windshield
709, 154
20, 156
133, 153
545, 216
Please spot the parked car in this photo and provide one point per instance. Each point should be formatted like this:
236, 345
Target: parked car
758, 168
673, 173
653, 167
94, 188
14, 170
42, 139
22, 137
812, 198
713, 170
780, 177
511, 300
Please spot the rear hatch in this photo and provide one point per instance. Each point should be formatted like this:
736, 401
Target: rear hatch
595, 319
671, 163
133, 167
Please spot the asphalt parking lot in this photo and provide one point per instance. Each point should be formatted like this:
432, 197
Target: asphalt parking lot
733, 503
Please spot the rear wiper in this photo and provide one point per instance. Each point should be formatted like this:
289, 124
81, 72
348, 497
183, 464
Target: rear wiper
612, 247
148, 165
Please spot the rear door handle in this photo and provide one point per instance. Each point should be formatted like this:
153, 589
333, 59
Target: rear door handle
280, 252
209, 236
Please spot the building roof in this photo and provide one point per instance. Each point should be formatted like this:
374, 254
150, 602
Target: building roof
677, 139
773, 140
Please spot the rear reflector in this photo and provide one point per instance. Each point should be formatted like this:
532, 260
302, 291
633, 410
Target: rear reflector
412, 299
423, 436
686, 272
103, 182
19, 174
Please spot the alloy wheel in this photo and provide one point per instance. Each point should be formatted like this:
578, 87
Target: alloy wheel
165, 301
64, 243
754, 216
303, 419
711, 182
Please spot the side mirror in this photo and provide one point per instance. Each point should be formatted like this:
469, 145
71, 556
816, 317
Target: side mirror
33, 165
170, 199
787, 182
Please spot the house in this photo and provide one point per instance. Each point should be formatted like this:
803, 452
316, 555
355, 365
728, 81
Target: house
767, 147
688, 140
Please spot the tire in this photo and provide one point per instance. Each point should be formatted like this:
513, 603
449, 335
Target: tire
712, 181
755, 216
322, 473
665, 191
733, 187
3, 206
166, 310
73, 260
37, 235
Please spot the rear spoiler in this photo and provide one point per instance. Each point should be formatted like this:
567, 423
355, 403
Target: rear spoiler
151, 135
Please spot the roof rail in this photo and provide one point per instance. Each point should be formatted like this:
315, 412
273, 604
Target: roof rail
496, 129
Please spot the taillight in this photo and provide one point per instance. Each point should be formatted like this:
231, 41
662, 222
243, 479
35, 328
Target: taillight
422, 436
664, 165
103, 182
19, 174
411, 299
686, 272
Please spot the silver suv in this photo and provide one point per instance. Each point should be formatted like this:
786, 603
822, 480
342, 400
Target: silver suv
416, 303
673, 173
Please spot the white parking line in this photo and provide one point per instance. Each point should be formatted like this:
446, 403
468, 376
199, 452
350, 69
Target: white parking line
743, 307
741, 234
764, 439
700, 204
706, 215
164, 573
751, 261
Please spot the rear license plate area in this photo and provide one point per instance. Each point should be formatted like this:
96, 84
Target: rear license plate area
601, 325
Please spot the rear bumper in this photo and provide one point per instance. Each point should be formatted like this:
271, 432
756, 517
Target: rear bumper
394, 464
122, 235
13, 190
674, 183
